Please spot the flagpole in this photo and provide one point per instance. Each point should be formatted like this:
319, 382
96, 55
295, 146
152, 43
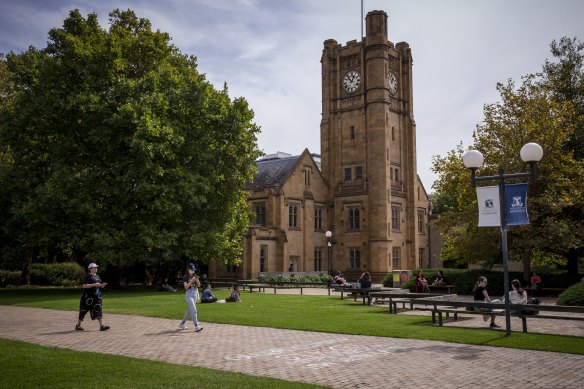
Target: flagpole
361, 19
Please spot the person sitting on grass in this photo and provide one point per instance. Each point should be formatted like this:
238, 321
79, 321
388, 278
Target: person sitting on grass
208, 296
234, 296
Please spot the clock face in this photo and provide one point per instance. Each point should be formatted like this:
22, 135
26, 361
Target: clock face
392, 83
351, 81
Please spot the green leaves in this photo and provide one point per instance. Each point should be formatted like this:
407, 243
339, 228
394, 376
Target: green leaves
543, 109
119, 148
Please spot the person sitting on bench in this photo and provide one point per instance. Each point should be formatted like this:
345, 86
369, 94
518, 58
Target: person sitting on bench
440, 280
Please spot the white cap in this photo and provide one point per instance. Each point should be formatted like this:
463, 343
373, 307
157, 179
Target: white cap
92, 265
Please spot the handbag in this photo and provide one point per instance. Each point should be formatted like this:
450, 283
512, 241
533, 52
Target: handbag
534, 301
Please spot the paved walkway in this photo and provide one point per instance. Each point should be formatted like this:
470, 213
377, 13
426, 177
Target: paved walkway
338, 361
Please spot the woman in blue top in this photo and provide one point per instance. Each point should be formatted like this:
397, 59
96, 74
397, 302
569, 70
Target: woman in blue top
191, 284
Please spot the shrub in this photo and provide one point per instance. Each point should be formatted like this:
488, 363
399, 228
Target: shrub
574, 295
58, 274
9, 277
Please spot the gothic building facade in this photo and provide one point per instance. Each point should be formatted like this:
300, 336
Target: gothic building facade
365, 190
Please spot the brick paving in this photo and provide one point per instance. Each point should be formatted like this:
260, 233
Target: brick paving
334, 360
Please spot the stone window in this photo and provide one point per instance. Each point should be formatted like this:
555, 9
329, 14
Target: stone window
263, 258
260, 213
395, 217
358, 173
353, 222
348, 176
354, 258
293, 209
421, 221
317, 259
318, 217
396, 257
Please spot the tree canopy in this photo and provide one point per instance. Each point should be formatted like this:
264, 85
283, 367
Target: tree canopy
547, 109
114, 147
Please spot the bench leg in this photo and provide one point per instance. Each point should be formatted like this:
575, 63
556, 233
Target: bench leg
440, 319
455, 316
524, 322
300, 290
433, 317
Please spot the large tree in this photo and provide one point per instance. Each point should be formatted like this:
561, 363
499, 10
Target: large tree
532, 112
121, 150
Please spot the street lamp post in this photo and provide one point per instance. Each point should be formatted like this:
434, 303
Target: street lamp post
329, 238
531, 153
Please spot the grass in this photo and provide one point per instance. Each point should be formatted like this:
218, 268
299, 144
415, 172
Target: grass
310, 313
60, 368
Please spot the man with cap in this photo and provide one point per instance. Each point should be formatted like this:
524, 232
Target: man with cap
91, 298
191, 283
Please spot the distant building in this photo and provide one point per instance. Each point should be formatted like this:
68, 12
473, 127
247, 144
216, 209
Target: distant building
364, 188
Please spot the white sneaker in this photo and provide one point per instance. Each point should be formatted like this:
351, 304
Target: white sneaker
198, 329
183, 326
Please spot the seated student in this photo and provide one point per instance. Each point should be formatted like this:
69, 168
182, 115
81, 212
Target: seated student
421, 283
481, 294
535, 284
340, 280
365, 282
208, 296
517, 295
440, 280
234, 296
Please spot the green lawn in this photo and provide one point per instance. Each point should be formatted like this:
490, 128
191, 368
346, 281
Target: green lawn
310, 313
27, 365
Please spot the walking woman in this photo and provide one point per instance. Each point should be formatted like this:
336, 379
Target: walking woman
191, 283
91, 298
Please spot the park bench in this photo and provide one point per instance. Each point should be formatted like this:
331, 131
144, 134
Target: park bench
275, 285
546, 291
401, 296
446, 305
355, 291
448, 289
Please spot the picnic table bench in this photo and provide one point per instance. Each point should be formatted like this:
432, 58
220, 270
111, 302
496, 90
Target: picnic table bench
400, 297
275, 285
355, 291
441, 288
448, 305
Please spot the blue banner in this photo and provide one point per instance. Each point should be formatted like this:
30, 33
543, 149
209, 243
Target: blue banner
516, 204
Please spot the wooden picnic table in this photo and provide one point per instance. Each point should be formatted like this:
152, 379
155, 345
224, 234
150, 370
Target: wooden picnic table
404, 297
445, 304
356, 292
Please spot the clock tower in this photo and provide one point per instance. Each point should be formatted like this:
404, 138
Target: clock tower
378, 208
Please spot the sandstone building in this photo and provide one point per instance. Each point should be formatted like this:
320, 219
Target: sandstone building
366, 191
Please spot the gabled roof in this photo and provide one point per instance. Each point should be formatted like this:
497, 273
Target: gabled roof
273, 171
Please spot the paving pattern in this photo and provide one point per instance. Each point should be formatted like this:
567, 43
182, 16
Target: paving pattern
338, 361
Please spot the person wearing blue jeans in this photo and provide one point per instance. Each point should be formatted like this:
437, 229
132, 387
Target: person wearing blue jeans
191, 283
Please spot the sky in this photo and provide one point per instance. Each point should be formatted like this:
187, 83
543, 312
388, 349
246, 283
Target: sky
269, 51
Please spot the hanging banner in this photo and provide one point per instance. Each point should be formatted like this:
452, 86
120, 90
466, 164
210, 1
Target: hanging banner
489, 208
516, 204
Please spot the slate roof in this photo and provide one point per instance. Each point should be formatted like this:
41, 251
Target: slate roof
273, 171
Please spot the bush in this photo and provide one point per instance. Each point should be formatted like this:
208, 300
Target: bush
388, 280
58, 274
295, 278
9, 277
574, 295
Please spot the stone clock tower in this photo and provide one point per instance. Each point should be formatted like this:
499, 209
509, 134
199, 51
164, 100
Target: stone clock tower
378, 208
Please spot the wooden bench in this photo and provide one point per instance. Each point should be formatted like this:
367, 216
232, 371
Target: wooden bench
439, 306
400, 297
441, 288
261, 287
355, 292
546, 291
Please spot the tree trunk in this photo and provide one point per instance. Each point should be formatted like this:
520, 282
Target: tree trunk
573, 255
526, 266
29, 255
